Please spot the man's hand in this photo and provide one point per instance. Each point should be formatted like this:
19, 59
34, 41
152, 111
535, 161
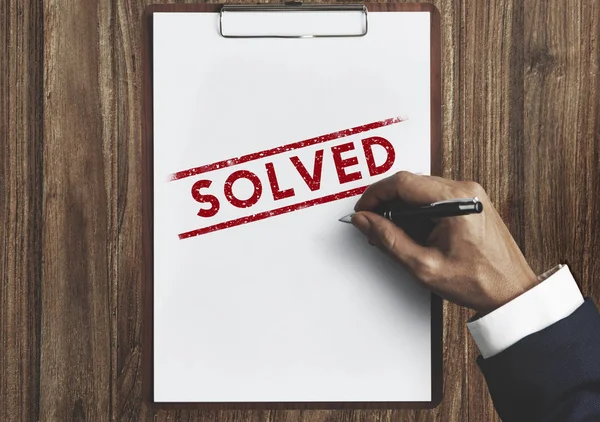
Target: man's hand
470, 260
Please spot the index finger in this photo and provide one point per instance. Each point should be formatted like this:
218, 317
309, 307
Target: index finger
406, 187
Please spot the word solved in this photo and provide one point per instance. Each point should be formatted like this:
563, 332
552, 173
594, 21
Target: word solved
344, 157
298, 175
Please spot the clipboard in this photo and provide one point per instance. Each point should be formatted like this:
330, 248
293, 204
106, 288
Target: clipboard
224, 13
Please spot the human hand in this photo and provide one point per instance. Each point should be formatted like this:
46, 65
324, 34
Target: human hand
470, 260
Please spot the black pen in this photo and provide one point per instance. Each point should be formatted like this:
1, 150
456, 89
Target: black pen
448, 208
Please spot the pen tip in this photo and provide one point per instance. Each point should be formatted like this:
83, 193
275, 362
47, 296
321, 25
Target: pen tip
347, 218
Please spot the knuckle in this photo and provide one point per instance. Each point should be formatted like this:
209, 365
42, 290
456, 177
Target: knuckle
388, 239
402, 177
427, 269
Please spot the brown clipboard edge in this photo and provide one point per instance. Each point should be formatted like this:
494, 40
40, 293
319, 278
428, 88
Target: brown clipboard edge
148, 219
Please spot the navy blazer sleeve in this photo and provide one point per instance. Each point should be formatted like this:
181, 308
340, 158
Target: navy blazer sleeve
552, 375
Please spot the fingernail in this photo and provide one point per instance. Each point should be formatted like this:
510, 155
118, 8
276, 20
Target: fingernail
362, 223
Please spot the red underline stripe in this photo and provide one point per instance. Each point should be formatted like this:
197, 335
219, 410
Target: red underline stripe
285, 148
273, 213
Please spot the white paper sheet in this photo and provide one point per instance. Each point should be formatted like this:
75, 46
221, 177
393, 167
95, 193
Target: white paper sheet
297, 306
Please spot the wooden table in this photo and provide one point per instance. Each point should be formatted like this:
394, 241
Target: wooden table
521, 115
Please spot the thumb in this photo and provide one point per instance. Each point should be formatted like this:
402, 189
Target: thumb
390, 238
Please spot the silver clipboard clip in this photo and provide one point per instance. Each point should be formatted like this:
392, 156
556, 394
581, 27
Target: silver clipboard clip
293, 7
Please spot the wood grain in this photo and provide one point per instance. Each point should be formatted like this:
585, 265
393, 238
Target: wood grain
126, 44
21, 155
521, 114
562, 138
76, 373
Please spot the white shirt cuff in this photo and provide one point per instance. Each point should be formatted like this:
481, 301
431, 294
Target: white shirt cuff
548, 302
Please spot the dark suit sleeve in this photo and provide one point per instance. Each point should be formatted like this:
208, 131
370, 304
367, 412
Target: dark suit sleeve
552, 375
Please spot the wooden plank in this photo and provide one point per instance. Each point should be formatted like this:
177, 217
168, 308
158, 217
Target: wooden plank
562, 138
126, 54
490, 144
21, 137
213, 415
79, 214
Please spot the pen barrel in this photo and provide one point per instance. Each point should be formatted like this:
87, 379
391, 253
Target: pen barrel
436, 211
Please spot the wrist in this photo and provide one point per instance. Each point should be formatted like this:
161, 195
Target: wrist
510, 289
555, 296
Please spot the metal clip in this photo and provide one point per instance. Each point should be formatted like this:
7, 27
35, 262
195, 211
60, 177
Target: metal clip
293, 6
473, 200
